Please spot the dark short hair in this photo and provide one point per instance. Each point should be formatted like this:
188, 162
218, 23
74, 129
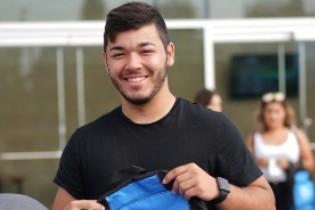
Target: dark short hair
133, 15
204, 97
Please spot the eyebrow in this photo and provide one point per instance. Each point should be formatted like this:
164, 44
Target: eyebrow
143, 44
116, 48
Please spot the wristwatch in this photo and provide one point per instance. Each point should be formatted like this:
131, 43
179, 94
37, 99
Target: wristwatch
224, 189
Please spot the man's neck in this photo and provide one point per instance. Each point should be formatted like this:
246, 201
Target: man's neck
152, 111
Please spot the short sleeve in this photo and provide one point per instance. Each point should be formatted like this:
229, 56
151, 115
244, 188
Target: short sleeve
235, 162
69, 174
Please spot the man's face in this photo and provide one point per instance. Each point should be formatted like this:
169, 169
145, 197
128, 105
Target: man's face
137, 63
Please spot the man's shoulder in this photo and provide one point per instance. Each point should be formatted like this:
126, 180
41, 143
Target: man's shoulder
197, 111
102, 123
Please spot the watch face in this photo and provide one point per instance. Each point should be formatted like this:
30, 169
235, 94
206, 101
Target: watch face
223, 184
224, 188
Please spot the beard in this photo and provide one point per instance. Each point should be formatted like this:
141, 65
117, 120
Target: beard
141, 99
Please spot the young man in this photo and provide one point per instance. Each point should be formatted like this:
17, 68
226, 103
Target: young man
156, 130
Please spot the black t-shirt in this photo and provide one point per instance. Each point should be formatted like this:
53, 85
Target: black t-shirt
188, 133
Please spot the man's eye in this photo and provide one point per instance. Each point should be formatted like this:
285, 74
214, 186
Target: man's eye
147, 51
116, 55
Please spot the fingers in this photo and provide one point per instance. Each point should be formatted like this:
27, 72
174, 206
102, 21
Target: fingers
84, 204
190, 180
191, 193
171, 175
185, 186
183, 182
184, 178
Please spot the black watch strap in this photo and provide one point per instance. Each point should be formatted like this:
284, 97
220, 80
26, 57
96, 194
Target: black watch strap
224, 190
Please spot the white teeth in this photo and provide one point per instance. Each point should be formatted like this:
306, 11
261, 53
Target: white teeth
135, 79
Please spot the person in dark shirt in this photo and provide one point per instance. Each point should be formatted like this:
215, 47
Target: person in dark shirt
202, 150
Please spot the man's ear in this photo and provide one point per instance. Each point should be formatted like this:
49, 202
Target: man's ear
170, 53
104, 58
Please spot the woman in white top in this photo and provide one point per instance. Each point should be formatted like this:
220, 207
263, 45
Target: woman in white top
277, 144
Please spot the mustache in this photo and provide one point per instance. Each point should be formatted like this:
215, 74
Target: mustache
134, 73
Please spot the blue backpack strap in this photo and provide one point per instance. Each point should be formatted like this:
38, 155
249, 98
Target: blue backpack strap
131, 175
143, 190
133, 170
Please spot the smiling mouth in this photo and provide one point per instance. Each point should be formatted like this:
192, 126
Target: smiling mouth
136, 79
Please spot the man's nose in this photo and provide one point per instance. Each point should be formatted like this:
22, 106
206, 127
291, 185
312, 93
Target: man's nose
134, 61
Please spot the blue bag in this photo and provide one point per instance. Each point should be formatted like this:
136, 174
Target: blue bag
303, 190
145, 191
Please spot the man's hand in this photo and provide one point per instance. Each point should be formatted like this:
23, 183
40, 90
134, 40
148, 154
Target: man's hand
190, 180
65, 201
84, 204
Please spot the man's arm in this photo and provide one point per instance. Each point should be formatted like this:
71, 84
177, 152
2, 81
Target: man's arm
190, 180
64, 201
258, 195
